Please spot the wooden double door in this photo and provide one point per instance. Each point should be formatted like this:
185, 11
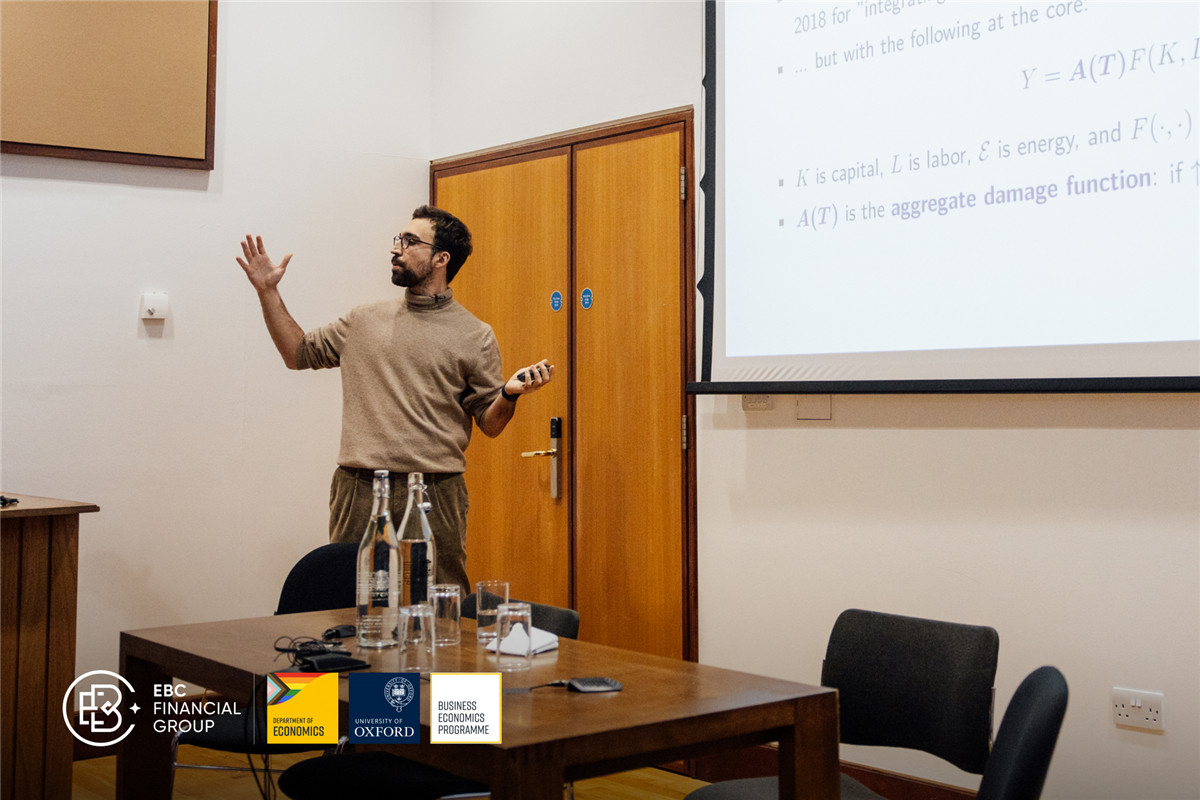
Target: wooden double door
583, 256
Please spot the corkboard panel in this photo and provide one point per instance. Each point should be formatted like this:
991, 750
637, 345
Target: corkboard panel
122, 80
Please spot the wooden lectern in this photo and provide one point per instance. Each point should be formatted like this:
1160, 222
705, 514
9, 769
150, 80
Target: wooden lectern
39, 555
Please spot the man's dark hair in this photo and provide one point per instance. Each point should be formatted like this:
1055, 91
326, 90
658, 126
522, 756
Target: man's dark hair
449, 234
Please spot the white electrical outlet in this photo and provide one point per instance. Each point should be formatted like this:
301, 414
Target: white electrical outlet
1135, 708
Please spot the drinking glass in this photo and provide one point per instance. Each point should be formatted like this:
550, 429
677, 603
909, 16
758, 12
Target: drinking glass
447, 606
514, 647
488, 597
416, 635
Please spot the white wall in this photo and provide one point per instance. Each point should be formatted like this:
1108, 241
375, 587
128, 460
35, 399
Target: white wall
1068, 523
509, 71
211, 462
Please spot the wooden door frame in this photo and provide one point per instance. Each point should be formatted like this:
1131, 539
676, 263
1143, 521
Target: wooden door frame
590, 136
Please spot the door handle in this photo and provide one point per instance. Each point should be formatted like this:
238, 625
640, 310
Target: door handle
552, 453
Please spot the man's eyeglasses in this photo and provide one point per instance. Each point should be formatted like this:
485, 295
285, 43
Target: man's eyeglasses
407, 240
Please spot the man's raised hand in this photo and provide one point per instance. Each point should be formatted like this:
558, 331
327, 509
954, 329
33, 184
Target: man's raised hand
262, 272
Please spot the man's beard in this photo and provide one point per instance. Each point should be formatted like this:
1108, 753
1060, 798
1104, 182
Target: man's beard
403, 276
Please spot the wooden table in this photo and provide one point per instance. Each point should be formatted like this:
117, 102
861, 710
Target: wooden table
39, 551
668, 710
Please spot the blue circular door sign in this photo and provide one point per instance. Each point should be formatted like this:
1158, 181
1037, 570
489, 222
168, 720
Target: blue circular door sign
556, 301
585, 298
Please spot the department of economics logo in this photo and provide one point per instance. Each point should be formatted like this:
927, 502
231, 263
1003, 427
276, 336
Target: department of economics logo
398, 692
100, 720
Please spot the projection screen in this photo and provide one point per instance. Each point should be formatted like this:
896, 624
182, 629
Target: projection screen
929, 195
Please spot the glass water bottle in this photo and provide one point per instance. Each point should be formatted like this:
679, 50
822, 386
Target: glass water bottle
379, 568
417, 549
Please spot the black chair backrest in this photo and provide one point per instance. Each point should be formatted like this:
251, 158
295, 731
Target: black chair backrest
559, 621
915, 683
1025, 742
322, 580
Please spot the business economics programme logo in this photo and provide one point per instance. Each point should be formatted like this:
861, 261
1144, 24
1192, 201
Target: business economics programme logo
100, 722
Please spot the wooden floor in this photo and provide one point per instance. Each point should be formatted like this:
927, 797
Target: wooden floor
95, 779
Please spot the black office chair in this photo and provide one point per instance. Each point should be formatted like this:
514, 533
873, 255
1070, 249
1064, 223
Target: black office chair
902, 682
323, 579
371, 774
1017, 768
350, 774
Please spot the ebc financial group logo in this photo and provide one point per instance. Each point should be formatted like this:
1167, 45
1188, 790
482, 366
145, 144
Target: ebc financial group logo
100, 721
